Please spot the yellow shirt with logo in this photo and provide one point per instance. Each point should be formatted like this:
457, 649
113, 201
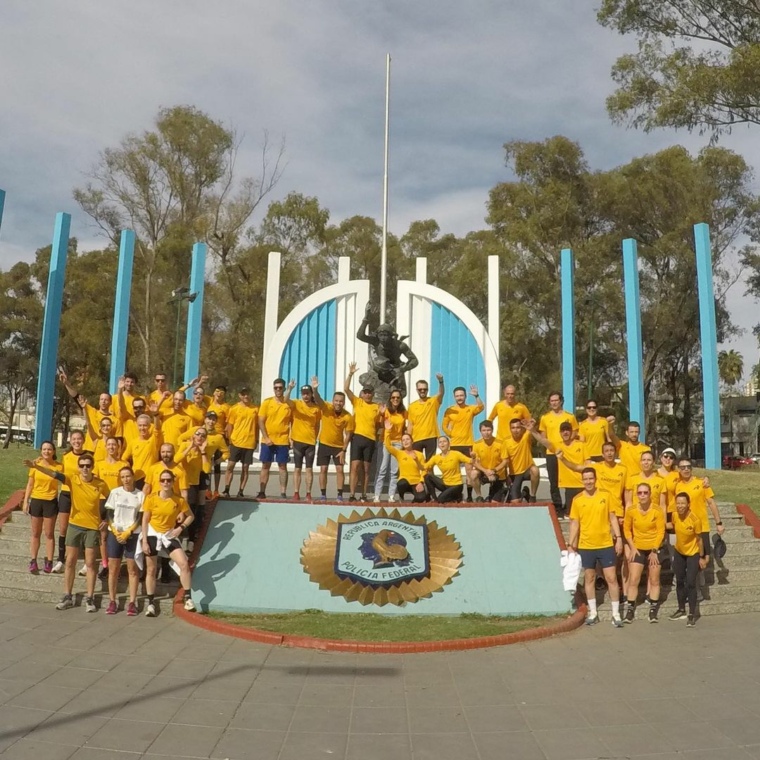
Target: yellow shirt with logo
612, 480
687, 531
334, 426
411, 464
276, 418
164, 512
70, 462
109, 472
85, 501
398, 423
365, 418
656, 485
245, 426
504, 414
575, 453
94, 415
305, 424
222, 412
593, 511
423, 416
630, 454
153, 477
519, 453
549, 426
645, 529
43, 486
457, 423
698, 496
489, 455
594, 435
448, 464
143, 453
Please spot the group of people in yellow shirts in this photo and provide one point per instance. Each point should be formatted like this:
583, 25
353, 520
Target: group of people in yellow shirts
138, 478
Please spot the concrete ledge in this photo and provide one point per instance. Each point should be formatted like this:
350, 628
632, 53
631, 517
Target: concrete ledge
750, 518
13, 503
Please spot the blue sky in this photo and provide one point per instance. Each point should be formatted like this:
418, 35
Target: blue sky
467, 77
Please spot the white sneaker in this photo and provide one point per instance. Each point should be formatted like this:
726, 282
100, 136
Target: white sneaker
89, 604
150, 610
377, 498
82, 571
189, 604
57, 567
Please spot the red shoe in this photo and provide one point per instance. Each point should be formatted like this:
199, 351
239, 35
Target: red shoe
209, 495
112, 608
131, 609
296, 497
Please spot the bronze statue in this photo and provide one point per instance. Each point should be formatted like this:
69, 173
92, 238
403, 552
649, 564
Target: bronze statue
386, 367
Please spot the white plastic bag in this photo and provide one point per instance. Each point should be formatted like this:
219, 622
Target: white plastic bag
571, 569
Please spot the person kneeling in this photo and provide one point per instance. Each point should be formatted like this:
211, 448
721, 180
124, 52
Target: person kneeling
449, 486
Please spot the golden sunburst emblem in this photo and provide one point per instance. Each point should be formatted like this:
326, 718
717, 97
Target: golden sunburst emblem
380, 557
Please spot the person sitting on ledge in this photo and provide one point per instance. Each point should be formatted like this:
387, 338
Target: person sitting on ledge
449, 486
411, 465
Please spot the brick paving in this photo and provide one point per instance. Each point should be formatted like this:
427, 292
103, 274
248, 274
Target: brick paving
92, 687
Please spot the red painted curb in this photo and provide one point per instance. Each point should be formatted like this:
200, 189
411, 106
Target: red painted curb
750, 518
13, 503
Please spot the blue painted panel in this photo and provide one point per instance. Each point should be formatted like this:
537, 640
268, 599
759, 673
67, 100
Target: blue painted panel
251, 562
310, 350
455, 353
2, 206
567, 275
120, 331
633, 330
195, 313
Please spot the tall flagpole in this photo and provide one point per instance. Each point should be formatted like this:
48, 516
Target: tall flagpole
384, 254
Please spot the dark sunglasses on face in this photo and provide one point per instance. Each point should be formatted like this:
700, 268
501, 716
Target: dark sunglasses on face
165, 480
590, 407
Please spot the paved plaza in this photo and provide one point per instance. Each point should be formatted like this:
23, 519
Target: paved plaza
92, 687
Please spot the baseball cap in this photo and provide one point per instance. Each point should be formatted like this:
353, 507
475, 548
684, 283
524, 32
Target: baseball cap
669, 451
367, 389
211, 415
306, 388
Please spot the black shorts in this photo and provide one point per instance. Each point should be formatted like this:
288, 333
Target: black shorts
173, 544
303, 453
196, 494
427, 446
139, 483
244, 456
362, 448
327, 453
115, 550
466, 450
218, 462
64, 502
642, 558
43, 507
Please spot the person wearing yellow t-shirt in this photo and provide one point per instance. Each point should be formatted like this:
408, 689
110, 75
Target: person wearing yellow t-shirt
689, 557
304, 427
219, 406
631, 449
174, 421
668, 464
242, 433
457, 425
516, 448
644, 531
87, 519
108, 469
164, 517
100, 436
449, 486
166, 462
395, 413
366, 422
70, 467
593, 431
571, 455
143, 451
595, 535
157, 396
127, 385
422, 416
194, 458
93, 415
489, 466
218, 452
411, 465
41, 504
647, 474
335, 435
506, 410
128, 413
275, 414
548, 426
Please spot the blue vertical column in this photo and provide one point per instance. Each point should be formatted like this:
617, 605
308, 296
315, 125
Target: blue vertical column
2, 206
567, 275
195, 313
51, 327
709, 339
121, 308
633, 331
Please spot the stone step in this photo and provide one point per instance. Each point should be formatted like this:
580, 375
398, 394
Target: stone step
706, 608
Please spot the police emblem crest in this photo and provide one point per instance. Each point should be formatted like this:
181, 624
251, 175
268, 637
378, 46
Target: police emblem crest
381, 558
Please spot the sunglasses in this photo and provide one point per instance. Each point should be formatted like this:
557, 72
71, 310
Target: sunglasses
160, 379
85, 466
422, 390
684, 466
165, 480
590, 407
642, 493
667, 456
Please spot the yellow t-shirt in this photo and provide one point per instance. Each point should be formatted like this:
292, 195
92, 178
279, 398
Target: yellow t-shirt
423, 416
276, 418
645, 529
698, 495
85, 501
687, 533
449, 466
196, 413
612, 480
575, 453
164, 512
671, 479
143, 453
43, 486
505, 414
593, 513
489, 455
365, 418
630, 454
109, 472
222, 412
549, 426
245, 426
129, 401
411, 465
305, 425
153, 477
594, 435
457, 423
656, 485
173, 425
192, 462
398, 423
94, 415
519, 453
70, 462
215, 442
334, 426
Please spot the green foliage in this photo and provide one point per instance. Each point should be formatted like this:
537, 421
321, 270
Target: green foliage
697, 64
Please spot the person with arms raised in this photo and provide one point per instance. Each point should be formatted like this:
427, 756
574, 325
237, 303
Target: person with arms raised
274, 428
422, 416
548, 426
242, 433
304, 428
457, 424
366, 422
335, 436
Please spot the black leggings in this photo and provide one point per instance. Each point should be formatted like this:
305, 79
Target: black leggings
686, 569
552, 470
403, 487
427, 446
447, 493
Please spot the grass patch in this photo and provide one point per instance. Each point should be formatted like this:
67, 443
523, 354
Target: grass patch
381, 628
13, 475
738, 486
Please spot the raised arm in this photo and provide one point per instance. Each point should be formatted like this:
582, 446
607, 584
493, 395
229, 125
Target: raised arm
291, 385
361, 333
315, 388
530, 426
59, 476
352, 369
70, 389
611, 434
476, 394
439, 396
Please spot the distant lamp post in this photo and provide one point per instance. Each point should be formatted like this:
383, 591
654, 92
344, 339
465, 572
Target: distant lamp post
178, 296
